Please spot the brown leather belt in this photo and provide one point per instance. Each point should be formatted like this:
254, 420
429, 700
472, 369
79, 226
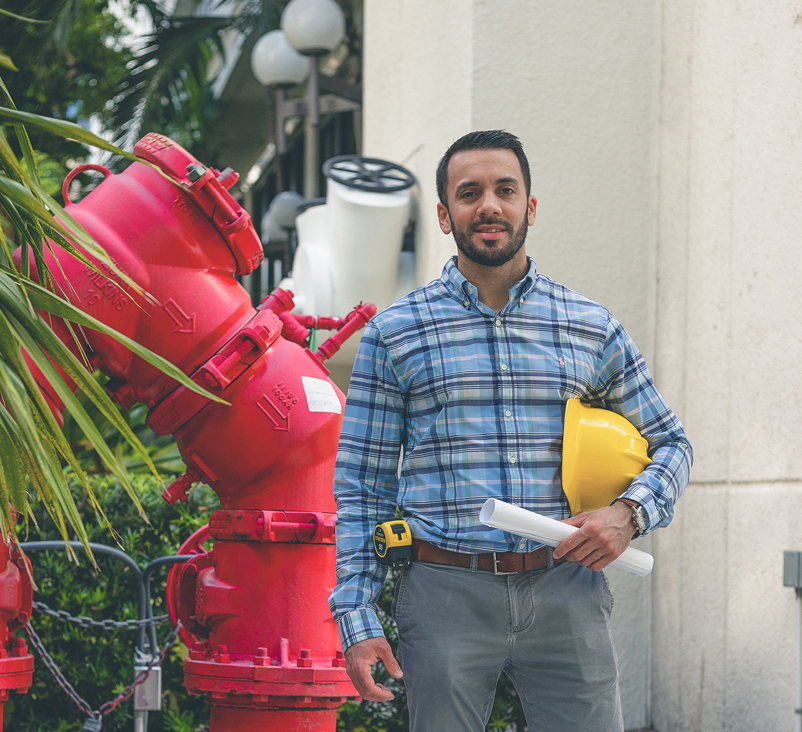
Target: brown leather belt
495, 562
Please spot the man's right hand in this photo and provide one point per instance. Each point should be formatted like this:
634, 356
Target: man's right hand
361, 657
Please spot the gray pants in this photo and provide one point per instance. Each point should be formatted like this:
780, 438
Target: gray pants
549, 631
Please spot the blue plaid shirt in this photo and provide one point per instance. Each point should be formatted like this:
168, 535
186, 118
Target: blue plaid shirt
477, 400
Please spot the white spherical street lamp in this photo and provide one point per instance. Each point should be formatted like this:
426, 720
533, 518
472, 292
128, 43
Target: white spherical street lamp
276, 63
313, 27
284, 208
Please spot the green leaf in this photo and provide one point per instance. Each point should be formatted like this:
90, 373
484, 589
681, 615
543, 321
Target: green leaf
7, 63
22, 17
62, 128
50, 303
32, 326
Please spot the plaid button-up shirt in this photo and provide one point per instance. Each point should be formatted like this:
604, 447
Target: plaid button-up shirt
473, 402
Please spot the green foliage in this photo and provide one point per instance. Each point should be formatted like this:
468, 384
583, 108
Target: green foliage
68, 67
163, 451
32, 446
99, 663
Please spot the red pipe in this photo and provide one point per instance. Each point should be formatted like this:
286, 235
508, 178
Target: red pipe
265, 649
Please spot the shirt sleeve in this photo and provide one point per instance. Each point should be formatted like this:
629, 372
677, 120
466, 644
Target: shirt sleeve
626, 387
365, 485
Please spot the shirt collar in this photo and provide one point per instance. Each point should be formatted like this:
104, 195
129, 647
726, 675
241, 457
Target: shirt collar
463, 290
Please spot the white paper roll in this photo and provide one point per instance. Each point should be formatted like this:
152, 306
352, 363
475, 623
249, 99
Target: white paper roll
518, 521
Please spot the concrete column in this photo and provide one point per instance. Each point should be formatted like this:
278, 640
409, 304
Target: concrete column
729, 355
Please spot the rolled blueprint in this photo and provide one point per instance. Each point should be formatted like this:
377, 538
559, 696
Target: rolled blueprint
547, 531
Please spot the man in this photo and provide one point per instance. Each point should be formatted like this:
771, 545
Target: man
470, 375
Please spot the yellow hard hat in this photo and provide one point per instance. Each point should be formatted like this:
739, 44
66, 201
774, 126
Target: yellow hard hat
602, 453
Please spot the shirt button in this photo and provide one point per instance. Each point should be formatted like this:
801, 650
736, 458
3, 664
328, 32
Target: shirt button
512, 459
521, 301
522, 545
466, 303
508, 413
504, 367
498, 322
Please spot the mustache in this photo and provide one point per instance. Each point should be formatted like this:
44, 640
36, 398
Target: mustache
506, 225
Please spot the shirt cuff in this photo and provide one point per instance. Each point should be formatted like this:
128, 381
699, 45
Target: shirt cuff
359, 625
643, 495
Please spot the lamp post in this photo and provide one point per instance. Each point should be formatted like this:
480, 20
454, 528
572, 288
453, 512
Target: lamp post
309, 28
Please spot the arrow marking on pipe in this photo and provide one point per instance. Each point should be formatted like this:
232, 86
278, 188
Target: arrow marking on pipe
280, 420
184, 323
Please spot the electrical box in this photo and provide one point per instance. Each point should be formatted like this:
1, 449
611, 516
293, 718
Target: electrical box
792, 569
148, 695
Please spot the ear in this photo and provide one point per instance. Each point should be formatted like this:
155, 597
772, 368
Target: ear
443, 218
531, 206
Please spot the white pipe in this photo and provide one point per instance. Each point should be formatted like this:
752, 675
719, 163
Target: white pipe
501, 515
798, 712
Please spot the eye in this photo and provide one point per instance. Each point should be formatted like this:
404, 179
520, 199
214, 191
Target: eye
507, 191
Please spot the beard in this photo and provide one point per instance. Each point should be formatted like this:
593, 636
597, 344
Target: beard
493, 256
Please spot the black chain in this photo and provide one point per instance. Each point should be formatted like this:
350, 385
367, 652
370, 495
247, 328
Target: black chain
157, 660
48, 661
95, 715
85, 622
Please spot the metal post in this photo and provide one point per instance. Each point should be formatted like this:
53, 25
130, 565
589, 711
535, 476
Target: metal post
140, 721
312, 133
281, 138
798, 715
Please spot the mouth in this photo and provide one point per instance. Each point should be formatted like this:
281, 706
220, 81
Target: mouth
490, 232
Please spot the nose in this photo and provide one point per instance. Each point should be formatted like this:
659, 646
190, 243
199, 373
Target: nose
489, 205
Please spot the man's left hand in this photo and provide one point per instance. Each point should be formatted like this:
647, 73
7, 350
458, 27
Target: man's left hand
602, 537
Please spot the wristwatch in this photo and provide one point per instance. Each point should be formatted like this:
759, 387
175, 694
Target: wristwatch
639, 516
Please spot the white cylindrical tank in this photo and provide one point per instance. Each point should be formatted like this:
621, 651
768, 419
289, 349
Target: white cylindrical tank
356, 238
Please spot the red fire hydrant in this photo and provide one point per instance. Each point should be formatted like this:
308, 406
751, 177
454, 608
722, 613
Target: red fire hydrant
16, 595
264, 648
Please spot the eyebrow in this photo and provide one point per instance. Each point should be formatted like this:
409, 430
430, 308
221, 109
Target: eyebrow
471, 183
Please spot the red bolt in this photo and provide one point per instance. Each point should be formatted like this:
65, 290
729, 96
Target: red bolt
261, 658
20, 563
191, 570
305, 661
339, 660
198, 652
222, 655
3, 652
23, 618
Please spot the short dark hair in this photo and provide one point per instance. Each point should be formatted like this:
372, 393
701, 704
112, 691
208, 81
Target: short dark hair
482, 140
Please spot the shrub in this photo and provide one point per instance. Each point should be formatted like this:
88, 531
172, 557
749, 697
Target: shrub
99, 663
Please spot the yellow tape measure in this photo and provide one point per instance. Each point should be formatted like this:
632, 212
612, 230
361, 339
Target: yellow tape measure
392, 542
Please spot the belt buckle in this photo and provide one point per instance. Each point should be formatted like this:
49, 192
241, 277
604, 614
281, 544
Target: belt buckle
496, 560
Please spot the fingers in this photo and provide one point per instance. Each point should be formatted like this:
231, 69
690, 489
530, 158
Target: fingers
390, 662
601, 537
359, 660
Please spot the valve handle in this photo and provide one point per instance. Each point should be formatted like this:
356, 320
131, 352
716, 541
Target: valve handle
193, 545
368, 174
65, 187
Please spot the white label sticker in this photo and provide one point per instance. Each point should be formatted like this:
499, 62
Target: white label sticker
320, 396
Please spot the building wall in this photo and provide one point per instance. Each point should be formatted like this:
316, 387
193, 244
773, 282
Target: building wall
666, 146
578, 82
729, 355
